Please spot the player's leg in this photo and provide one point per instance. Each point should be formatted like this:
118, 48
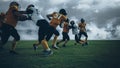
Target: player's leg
59, 42
43, 28
44, 42
4, 39
47, 51
82, 42
76, 39
56, 33
4, 35
16, 36
67, 38
41, 35
63, 39
86, 41
80, 34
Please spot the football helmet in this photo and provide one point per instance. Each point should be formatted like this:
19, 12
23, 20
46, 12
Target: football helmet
14, 3
82, 20
72, 22
63, 11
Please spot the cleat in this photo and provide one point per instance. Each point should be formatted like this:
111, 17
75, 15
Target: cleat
75, 43
34, 47
86, 43
47, 53
13, 52
57, 43
64, 45
55, 47
83, 44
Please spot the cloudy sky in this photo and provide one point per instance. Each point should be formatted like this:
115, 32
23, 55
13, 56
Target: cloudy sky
102, 16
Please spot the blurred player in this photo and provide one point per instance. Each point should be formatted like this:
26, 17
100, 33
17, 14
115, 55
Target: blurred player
65, 35
74, 28
82, 31
55, 20
2, 20
13, 15
43, 28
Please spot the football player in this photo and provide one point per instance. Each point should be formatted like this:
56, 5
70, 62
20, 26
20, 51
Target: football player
2, 19
55, 20
82, 30
43, 28
13, 15
65, 35
74, 28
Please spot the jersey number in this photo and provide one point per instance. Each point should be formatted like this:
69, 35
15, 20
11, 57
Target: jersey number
58, 16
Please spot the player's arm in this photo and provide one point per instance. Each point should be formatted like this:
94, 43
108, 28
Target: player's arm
29, 10
49, 16
22, 12
68, 26
19, 16
85, 27
66, 20
79, 26
63, 21
15, 11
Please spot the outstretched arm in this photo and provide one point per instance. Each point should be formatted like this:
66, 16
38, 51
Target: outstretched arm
19, 15
49, 16
22, 12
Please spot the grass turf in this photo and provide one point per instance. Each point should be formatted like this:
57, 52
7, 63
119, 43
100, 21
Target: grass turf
98, 54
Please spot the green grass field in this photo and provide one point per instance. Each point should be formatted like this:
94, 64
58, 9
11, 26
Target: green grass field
98, 54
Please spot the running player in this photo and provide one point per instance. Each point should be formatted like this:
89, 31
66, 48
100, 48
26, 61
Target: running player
13, 15
65, 35
82, 31
55, 20
43, 28
74, 28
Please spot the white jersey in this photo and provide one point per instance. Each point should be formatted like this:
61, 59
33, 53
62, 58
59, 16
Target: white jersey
75, 29
35, 16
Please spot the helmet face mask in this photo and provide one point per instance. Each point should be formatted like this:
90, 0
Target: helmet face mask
72, 22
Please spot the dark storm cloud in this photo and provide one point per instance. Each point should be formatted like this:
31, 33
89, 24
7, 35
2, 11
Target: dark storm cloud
102, 16
3, 6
